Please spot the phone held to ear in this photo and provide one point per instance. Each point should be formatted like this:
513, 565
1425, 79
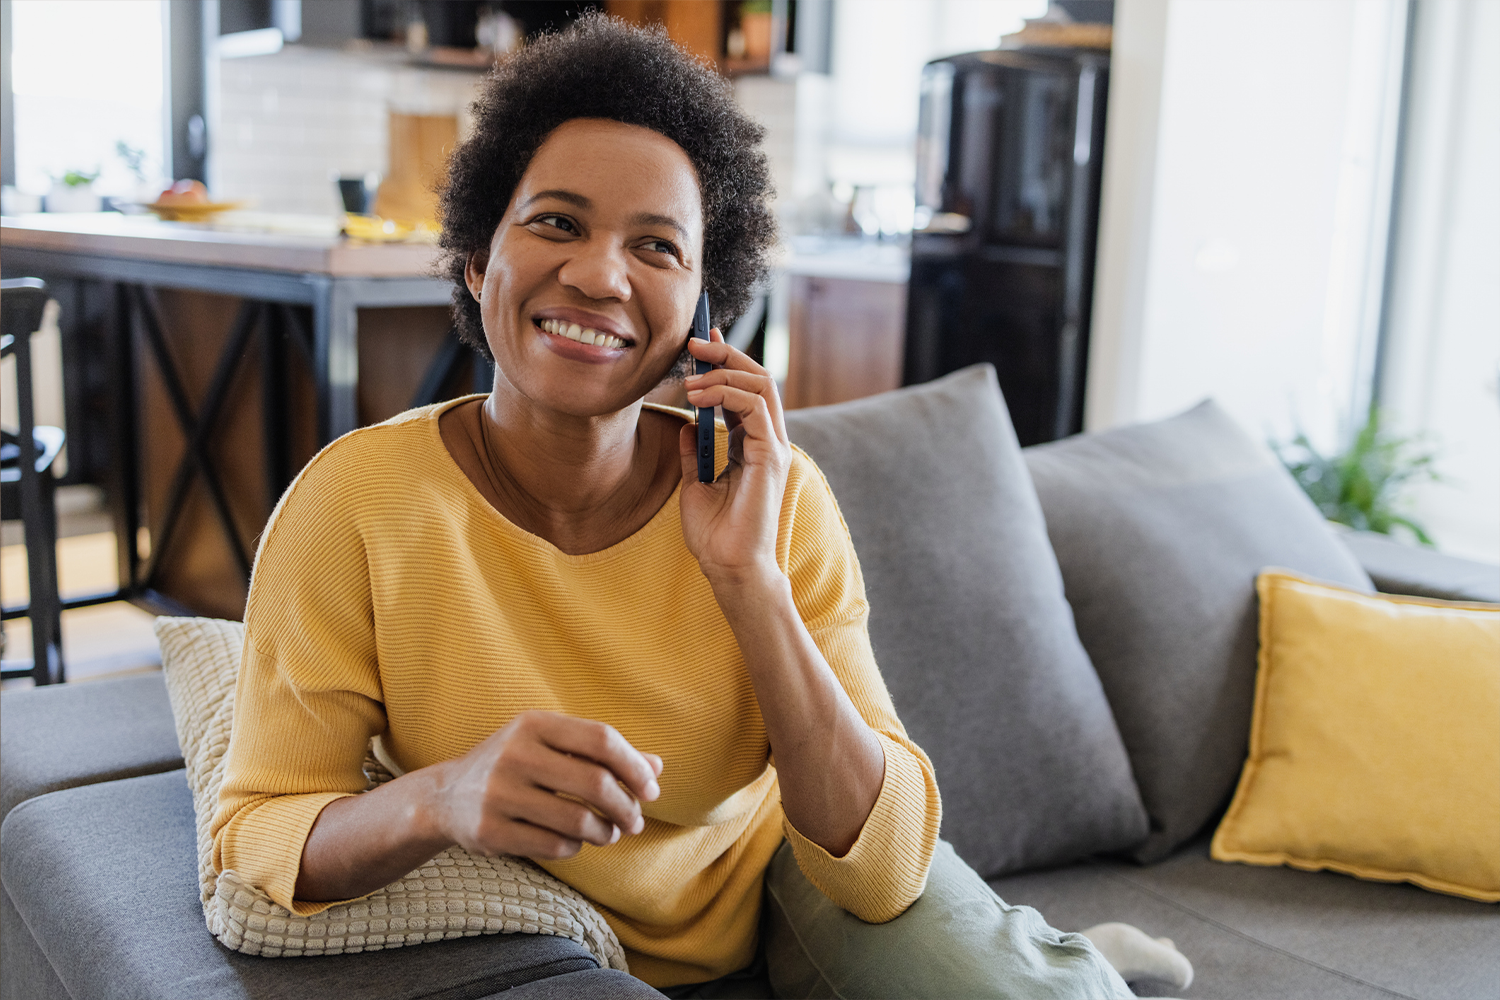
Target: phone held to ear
701, 326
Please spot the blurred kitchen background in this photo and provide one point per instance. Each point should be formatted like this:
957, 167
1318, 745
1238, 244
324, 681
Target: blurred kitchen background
1125, 206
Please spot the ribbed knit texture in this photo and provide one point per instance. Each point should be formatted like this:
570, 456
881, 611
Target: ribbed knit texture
389, 597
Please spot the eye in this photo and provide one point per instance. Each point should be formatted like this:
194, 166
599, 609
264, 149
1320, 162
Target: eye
552, 221
662, 246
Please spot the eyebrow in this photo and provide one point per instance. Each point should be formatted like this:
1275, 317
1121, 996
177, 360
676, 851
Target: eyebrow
574, 198
651, 219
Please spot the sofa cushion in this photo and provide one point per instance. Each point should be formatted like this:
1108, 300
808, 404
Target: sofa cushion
104, 876
1373, 746
46, 744
969, 624
1276, 932
24, 970
1160, 530
1398, 568
590, 984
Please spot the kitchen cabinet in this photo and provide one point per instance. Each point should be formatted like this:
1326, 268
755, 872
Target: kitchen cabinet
846, 338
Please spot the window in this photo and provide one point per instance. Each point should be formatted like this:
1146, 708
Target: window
87, 76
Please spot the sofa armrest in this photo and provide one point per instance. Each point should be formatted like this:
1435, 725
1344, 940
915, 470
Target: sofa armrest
68, 735
1406, 569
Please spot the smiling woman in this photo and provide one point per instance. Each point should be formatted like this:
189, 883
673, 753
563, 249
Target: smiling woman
568, 647
648, 83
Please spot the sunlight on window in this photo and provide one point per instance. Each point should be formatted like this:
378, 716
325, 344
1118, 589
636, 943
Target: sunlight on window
88, 77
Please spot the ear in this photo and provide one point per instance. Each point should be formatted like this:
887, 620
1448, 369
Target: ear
474, 275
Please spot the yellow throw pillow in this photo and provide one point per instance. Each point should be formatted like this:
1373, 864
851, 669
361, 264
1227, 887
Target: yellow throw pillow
1375, 743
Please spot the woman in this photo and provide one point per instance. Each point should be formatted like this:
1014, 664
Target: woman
574, 650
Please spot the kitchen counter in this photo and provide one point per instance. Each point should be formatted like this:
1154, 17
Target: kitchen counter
849, 258
289, 259
303, 244
205, 363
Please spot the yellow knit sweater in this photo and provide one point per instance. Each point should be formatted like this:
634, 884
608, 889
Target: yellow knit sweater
390, 598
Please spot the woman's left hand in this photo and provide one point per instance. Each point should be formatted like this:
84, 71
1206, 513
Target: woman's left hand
730, 525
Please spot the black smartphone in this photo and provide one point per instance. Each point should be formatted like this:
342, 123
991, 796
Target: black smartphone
701, 327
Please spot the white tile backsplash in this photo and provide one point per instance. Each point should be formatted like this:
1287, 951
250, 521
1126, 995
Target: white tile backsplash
290, 122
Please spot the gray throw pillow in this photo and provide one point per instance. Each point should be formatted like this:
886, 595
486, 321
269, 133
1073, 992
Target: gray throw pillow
1160, 530
969, 623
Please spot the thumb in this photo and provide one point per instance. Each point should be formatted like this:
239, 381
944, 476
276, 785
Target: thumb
687, 447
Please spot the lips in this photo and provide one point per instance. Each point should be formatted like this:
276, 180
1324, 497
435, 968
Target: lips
582, 334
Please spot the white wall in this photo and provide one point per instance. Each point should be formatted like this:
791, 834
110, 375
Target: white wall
1247, 173
284, 122
1442, 364
879, 48
1246, 208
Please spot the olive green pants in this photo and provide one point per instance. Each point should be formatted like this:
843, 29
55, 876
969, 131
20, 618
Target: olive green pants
958, 940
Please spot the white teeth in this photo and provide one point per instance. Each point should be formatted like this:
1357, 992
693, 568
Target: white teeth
581, 334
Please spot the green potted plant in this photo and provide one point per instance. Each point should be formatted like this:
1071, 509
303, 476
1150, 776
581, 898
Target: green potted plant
1364, 485
73, 191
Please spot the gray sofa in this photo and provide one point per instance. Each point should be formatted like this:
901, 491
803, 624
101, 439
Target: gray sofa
1069, 632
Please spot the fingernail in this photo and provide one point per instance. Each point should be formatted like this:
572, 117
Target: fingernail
614, 834
653, 790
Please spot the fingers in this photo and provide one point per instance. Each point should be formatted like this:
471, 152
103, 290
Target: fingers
603, 745
741, 373
595, 787
570, 820
687, 448
760, 416
546, 784
716, 351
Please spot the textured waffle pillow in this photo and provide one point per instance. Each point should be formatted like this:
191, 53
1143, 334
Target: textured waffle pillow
454, 895
1375, 743
969, 624
1160, 530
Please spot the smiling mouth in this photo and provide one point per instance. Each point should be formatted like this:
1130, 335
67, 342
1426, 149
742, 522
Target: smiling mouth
582, 334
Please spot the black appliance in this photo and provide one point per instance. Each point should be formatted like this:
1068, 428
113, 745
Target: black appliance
1009, 150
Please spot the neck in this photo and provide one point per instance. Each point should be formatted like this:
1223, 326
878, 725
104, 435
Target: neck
564, 465
582, 483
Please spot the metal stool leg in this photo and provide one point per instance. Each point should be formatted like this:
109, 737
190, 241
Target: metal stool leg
24, 302
38, 496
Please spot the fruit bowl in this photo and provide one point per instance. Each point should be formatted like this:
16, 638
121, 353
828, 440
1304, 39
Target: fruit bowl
191, 213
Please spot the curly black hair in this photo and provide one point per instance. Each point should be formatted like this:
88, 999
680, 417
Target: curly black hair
601, 67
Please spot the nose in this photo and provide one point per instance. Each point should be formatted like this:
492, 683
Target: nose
599, 269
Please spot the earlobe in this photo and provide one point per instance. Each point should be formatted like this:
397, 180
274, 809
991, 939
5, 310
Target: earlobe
474, 278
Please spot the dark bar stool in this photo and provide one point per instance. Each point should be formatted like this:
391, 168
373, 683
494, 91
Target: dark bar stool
27, 488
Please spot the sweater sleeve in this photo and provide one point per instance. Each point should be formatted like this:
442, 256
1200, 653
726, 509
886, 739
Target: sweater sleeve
308, 696
886, 869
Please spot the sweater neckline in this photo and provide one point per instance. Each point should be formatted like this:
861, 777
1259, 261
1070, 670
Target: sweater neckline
474, 499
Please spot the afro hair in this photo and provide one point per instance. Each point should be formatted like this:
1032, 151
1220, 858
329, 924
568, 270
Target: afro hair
601, 67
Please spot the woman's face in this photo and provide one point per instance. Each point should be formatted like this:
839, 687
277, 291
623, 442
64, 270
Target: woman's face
593, 273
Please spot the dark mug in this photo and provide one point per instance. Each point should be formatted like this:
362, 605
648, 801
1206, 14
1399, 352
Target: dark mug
358, 193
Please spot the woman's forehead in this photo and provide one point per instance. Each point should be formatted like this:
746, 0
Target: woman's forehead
614, 166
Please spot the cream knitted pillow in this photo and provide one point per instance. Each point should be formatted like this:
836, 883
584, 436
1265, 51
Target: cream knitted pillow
456, 894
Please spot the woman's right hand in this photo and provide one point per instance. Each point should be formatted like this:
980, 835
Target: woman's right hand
544, 785
541, 787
